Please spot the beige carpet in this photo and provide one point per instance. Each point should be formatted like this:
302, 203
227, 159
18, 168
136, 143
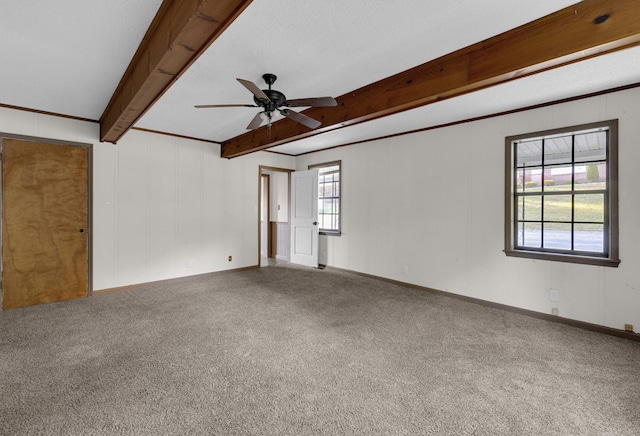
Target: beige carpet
287, 350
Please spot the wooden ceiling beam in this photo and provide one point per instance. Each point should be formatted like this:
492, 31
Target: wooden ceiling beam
180, 32
587, 29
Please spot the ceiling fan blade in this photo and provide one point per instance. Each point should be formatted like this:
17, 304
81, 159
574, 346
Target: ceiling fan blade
299, 118
313, 102
255, 122
204, 106
254, 89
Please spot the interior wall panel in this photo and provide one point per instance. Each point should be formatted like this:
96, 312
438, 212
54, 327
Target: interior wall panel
189, 207
279, 196
18, 122
233, 203
162, 209
213, 229
133, 213
104, 229
449, 230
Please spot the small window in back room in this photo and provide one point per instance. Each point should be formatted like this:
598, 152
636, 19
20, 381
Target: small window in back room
328, 197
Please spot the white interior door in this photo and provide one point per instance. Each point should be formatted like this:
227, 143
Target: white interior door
304, 217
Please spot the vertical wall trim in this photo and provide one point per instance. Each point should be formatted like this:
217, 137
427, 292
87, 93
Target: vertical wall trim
90, 220
116, 230
201, 250
147, 195
176, 193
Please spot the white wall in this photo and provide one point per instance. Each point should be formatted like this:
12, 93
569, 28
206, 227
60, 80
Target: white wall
161, 201
434, 201
280, 196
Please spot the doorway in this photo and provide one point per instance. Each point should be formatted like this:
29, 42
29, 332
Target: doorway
273, 220
266, 249
45, 221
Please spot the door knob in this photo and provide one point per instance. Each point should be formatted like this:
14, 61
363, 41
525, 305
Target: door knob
315, 223
81, 230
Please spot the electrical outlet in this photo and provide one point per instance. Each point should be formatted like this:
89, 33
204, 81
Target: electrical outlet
553, 295
628, 327
230, 258
405, 269
191, 263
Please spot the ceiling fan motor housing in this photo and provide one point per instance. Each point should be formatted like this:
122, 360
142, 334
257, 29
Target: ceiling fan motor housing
277, 99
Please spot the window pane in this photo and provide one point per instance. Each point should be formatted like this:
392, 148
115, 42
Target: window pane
557, 150
589, 237
558, 178
327, 190
520, 210
529, 235
531, 208
529, 179
327, 206
529, 153
557, 236
557, 208
519, 180
591, 176
324, 221
591, 146
589, 208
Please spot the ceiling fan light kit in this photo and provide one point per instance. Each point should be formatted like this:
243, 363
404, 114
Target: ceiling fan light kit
271, 100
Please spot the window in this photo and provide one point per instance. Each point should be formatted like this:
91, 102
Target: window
328, 197
561, 200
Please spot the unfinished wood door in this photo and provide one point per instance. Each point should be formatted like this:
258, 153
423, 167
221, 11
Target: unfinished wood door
44, 222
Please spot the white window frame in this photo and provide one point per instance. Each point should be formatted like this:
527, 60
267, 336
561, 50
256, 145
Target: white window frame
336, 198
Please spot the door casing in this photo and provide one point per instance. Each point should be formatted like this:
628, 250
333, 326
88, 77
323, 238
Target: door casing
262, 170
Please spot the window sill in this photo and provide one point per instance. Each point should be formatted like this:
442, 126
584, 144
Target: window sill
328, 233
584, 260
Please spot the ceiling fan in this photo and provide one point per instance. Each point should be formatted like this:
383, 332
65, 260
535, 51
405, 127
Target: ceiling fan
271, 101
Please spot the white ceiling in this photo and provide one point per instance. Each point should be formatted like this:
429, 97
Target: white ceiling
68, 56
